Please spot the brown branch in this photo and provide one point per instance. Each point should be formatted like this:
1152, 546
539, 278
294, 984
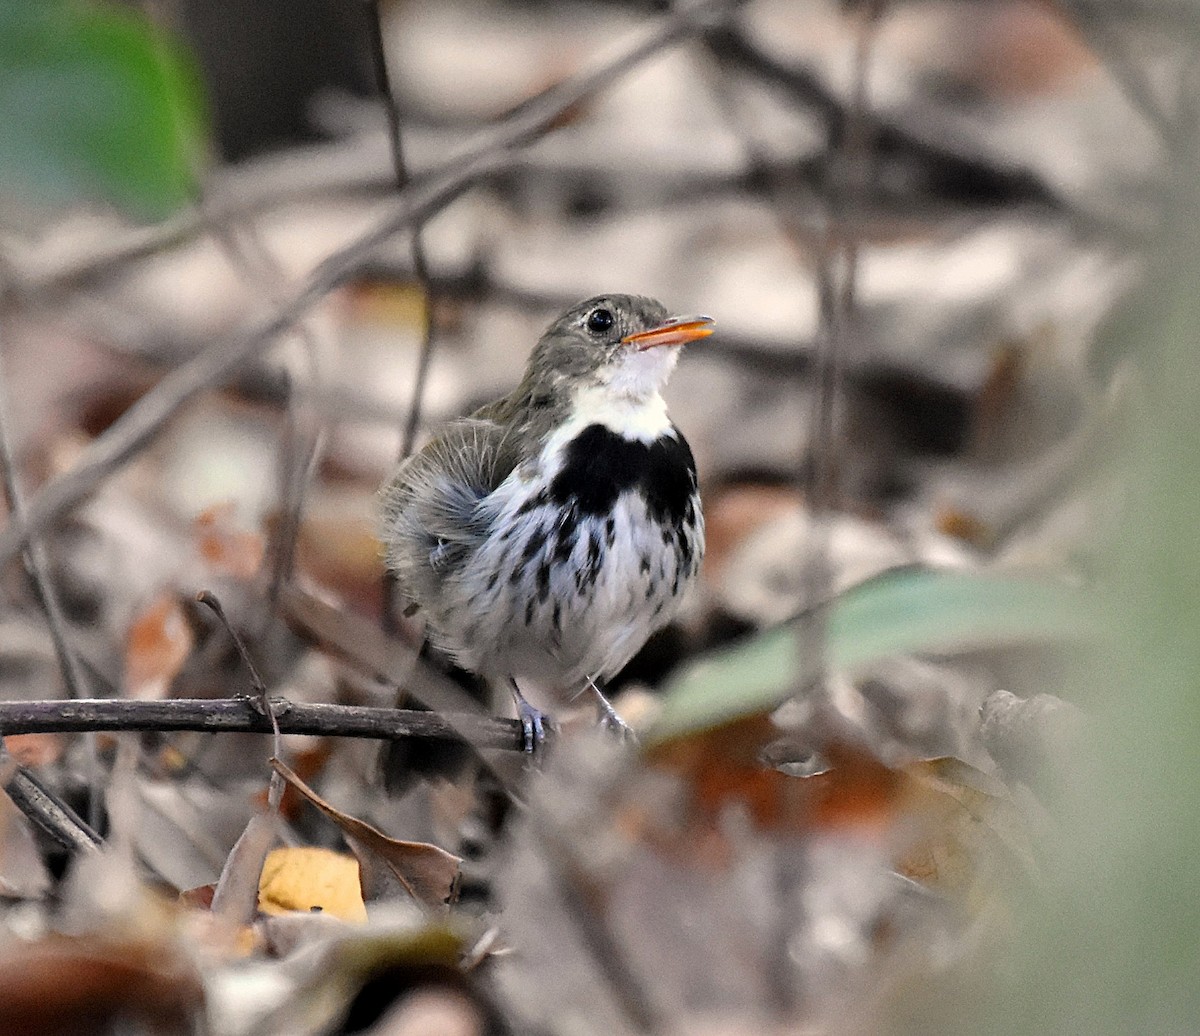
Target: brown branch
145, 419
420, 261
45, 809
36, 562
949, 172
246, 715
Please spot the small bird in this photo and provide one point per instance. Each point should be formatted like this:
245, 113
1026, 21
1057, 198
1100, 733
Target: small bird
547, 535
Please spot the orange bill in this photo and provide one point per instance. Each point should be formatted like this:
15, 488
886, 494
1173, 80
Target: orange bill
676, 331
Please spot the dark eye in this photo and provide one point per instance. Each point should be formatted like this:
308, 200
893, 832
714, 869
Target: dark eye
599, 321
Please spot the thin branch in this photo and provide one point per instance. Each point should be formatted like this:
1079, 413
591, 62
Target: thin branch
487, 153
420, 261
420, 266
138, 426
45, 809
940, 164
1107, 42
837, 265
247, 715
584, 900
301, 449
34, 556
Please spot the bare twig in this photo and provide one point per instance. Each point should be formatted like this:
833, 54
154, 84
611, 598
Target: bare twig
245, 715
420, 261
34, 556
1108, 42
49, 812
303, 434
420, 266
941, 164
145, 419
584, 901
488, 152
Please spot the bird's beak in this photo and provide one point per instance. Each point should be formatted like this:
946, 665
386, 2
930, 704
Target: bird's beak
676, 331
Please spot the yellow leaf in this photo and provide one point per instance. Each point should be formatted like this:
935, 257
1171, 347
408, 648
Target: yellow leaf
306, 877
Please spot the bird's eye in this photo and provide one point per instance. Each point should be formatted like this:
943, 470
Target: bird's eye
599, 321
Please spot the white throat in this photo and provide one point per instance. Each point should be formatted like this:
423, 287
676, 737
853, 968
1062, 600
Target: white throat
642, 418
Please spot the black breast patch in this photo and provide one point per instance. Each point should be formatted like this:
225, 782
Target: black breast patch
600, 465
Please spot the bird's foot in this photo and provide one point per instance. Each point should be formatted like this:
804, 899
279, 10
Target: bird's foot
534, 724
622, 731
610, 720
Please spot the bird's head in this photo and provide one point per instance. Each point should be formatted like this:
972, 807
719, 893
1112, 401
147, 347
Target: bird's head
623, 344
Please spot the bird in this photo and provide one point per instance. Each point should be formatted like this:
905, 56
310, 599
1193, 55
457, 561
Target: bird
547, 535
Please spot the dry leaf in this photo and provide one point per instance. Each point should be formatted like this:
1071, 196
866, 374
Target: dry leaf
34, 749
724, 766
59, 986
236, 896
158, 643
309, 878
387, 865
226, 548
946, 817
964, 817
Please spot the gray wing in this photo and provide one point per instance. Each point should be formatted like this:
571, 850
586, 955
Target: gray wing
432, 521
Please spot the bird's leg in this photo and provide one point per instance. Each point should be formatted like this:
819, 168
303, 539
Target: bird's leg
533, 720
609, 719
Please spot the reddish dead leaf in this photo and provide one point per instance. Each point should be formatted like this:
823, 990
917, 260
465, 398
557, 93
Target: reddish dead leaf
724, 766
225, 547
158, 643
34, 749
945, 819
387, 865
61, 986
857, 791
199, 898
307, 763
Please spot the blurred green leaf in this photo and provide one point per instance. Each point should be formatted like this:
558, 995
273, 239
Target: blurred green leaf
95, 103
900, 612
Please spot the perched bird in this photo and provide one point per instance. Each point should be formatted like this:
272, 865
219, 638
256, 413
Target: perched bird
551, 532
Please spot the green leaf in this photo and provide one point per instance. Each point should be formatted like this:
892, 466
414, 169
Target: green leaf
907, 611
95, 103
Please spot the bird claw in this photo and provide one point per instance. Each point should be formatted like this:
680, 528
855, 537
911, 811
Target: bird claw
611, 722
534, 724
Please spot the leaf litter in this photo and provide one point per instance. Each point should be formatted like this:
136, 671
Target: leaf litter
766, 862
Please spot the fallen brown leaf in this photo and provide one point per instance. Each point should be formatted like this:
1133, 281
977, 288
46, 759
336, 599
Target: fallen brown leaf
426, 873
157, 644
226, 548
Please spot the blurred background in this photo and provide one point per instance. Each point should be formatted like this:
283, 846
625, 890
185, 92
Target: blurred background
950, 251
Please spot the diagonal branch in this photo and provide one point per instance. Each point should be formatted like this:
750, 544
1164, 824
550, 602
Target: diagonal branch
485, 154
950, 173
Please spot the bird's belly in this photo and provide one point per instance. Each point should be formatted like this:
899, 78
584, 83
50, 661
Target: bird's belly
556, 597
